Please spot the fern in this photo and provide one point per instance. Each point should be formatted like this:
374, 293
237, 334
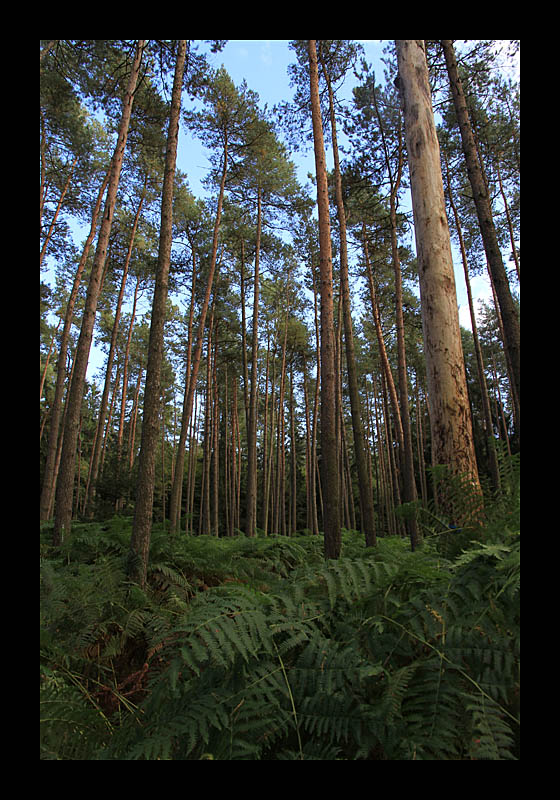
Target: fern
258, 649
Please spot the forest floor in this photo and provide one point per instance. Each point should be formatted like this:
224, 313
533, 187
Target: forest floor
259, 649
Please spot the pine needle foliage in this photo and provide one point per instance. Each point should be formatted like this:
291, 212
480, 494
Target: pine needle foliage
259, 649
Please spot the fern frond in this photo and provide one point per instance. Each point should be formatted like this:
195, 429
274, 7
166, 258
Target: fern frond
492, 738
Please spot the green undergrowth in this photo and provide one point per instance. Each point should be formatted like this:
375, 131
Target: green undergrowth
259, 649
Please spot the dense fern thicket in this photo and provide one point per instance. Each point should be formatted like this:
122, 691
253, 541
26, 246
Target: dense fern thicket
259, 649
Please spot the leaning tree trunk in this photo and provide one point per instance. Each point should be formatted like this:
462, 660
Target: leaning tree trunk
450, 417
49, 478
486, 222
329, 454
65, 483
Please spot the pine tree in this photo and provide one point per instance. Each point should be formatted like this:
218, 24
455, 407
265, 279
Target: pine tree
333, 64
141, 530
450, 416
487, 228
329, 446
65, 484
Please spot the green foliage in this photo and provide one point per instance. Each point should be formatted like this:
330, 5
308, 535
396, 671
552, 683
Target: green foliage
259, 649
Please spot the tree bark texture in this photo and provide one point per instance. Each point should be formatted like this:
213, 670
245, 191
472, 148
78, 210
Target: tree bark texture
329, 454
142, 523
483, 205
450, 417
65, 483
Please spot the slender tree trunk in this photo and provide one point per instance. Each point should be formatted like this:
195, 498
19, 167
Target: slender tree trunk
387, 371
142, 522
177, 484
133, 419
51, 345
65, 484
268, 456
407, 462
508, 218
56, 213
252, 427
215, 440
450, 417
293, 459
484, 211
265, 432
244, 335
315, 483
329, 455
120, 499
189, 397
364, 486
90, 494
487, 416
47, 492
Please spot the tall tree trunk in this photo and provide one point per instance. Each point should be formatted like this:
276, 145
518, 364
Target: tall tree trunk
189, 395
252, 427
142, 523
65, 484
177, 483
407, 462
382, 349
44, 375
487, 415
365, 489
47, 492
120, 499
450, 417
90, 494
483, 205
329, 454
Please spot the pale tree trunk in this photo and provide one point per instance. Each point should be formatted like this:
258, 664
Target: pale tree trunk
329, 454
142, 523
450, 417
482, 202
65, 483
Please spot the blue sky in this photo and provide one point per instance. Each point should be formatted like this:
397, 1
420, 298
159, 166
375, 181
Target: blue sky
263, 63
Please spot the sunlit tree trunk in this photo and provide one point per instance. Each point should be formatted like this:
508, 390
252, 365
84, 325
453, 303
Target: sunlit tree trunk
450, 417
65, 483
49, 479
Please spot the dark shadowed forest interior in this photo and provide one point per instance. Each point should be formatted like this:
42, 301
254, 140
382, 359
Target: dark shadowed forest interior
280, 400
